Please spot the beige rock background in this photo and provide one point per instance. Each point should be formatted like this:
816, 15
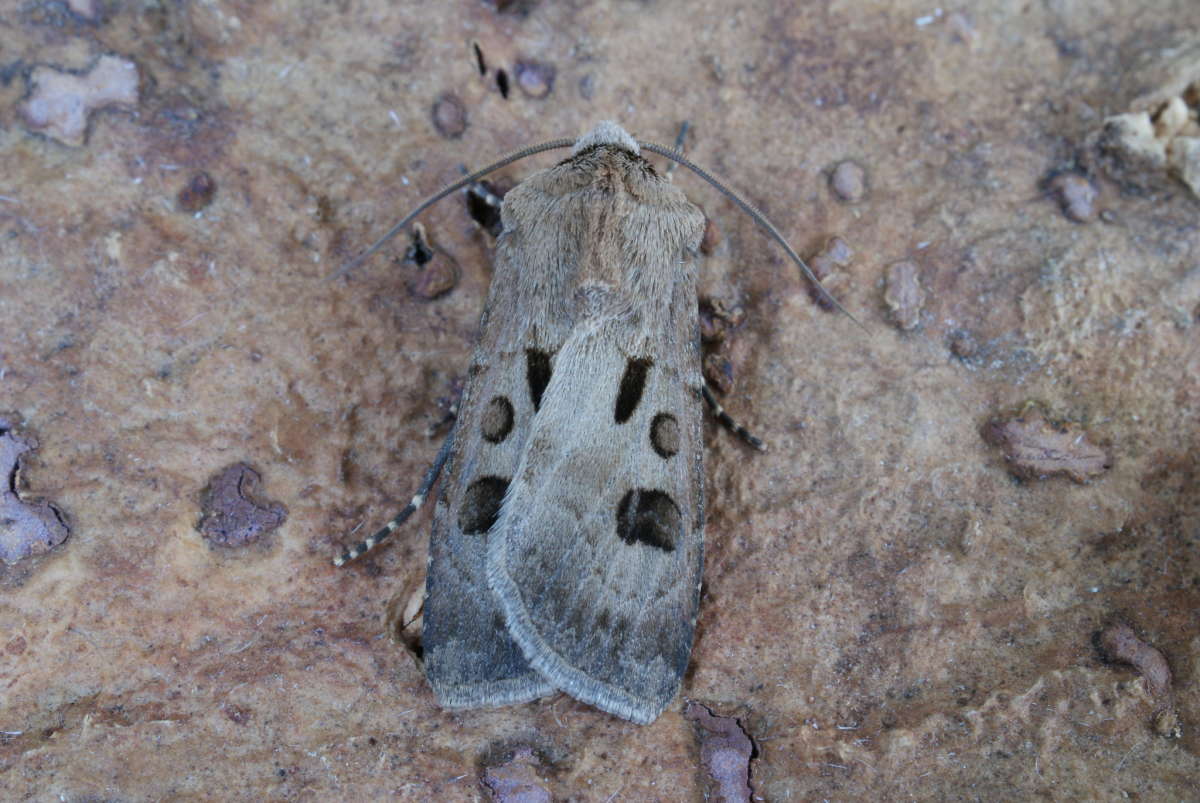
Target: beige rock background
888, 611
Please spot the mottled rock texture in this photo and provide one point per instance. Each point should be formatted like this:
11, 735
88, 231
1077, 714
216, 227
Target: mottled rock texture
887, 611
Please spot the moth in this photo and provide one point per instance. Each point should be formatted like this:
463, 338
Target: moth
568, 539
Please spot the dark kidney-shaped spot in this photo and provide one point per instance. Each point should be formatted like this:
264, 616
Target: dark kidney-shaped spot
630, 392
664, 435
481, 505
497, 419
537, 373
649, 517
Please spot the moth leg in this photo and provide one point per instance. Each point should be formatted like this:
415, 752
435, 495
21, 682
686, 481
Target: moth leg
679, 140
412, 507
728, 422
450, 416
483, 205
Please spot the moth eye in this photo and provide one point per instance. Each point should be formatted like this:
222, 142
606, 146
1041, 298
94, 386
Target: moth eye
664, 435
537, 373
481, 505
497, 419
649, 517
630, 392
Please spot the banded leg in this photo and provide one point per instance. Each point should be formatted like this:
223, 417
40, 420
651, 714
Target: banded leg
728, 422
412, 507
484, 206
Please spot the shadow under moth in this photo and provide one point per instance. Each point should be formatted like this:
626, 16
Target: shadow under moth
568, 538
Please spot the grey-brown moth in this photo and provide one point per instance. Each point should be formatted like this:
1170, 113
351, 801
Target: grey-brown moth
568, 537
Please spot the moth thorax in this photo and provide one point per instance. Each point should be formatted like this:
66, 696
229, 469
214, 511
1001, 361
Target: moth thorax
606, 132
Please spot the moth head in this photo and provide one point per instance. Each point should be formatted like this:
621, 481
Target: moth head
606, 132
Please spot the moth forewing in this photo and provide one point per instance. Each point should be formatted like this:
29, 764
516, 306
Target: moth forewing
575, 460
597, 554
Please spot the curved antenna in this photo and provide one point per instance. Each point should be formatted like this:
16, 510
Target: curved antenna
442, 193
755, 215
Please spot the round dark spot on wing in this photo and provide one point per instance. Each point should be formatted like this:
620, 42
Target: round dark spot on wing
497, 419
481, 505
664, 435
649, 517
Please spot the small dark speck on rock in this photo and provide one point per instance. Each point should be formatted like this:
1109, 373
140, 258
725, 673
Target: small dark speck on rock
535, 79
437, 274
1166, 723
835, 254
718, 318
904, 295
236, 714
1076, 195
963, 344
418, 251
848, 182
1035, 448
1120, 644
449, 116
587, 87
230, 512
517, 780
197, 193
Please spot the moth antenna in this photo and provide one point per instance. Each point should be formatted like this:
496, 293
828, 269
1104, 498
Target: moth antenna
755, 215
442, 193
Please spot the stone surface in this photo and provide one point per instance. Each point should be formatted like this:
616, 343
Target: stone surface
886, 611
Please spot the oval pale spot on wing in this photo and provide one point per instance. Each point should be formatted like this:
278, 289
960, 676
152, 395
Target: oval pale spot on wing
481, 505
497, 419
664, 435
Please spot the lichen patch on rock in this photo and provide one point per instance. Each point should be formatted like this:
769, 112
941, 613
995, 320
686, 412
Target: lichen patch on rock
1036, 448
60, 102
232, 514
27, 528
